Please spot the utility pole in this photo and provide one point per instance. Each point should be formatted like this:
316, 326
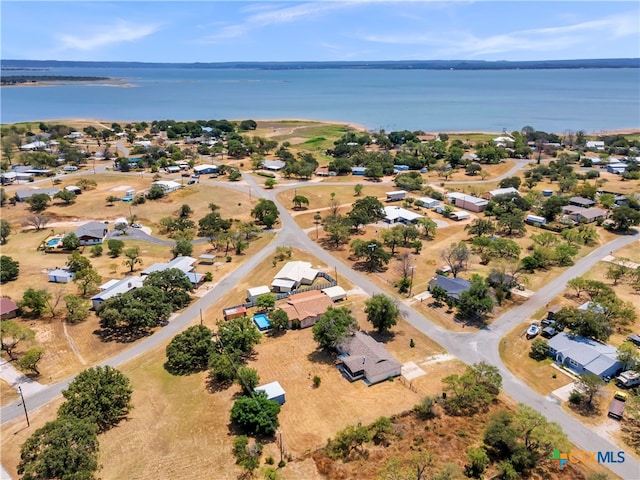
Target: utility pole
200, 316
413, 268
24, 406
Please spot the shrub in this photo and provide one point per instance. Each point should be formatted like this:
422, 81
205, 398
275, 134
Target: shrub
575, 397
316, 381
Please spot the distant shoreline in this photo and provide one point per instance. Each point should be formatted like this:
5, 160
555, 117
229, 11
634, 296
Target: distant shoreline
353, 125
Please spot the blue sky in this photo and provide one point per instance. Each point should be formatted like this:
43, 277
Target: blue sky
211, 31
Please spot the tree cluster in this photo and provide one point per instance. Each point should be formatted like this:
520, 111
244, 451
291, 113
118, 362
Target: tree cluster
472, 391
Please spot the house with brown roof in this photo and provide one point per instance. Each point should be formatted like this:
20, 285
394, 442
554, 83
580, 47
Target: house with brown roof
364, 357
8, 308
306, 307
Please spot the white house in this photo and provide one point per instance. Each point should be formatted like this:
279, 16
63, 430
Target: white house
60, 275
92, 233
167, 185
595, 144
502, 191
118, 288
184, 264
273, 165
292, 275
37, 145
399, 214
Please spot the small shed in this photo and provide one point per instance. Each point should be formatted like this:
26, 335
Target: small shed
397, 195
533, 219
274, 392
73, 189
207, 259
61, 275
459, 215
254, 292
234, 312
335, 293
8, 308
429, 202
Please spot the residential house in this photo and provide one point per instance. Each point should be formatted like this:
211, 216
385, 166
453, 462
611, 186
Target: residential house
38, 172
92, 233
399, 214
504, 141
584, 355
8, 308
467, 202
116, 287
306, 308
37, 145
207, 259
273, 165
205, 169
453, 286
501, 191
168, 186
292, 275
584, 215
595, 145
617, 168
581, 202
23, 195
274, 391
60, 275
184, 264
363, 357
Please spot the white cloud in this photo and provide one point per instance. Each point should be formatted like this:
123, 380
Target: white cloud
541, 39
274, 16
121, 31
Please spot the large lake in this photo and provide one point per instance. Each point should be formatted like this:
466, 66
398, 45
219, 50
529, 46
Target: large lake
430, 100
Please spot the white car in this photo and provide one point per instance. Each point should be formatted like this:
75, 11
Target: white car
136, 225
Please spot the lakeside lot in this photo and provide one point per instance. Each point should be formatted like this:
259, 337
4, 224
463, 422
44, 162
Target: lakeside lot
169, 408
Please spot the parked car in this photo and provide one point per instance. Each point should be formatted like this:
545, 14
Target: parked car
186, 174
136, 225
191, 182
533, 330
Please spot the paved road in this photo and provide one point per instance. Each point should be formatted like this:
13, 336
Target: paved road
469, 347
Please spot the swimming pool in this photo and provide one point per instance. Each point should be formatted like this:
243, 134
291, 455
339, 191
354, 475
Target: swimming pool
262, 321
53, 242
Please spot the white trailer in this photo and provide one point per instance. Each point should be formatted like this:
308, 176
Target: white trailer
395, 196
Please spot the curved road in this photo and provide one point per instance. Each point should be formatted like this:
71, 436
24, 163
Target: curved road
468, 347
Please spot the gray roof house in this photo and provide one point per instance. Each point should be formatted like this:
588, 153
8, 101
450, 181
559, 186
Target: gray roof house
581, 202
23, 195
453, 286
116, 288
92, 233
584, 355
364, 357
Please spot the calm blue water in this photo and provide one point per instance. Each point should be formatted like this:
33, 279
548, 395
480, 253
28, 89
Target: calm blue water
430, 100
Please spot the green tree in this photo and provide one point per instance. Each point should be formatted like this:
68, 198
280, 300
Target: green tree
456, 257
182, 248
132, 258
279, 320
628, 355
222, 366
174, 283
472, 391
237, 335
9, 269
478, 461
111, 199
372, 251
337, 233
70, 242
382, 312
77, 262
96, 250
347, 441
539, 349
77, 309
115, 247
299, 201
266, 302
248, 379
357, 189
476, 302
589, 384
333, 327
365, 210
270, 183
427, 226
5, 231
155, 192
256, 415
247, 456
11, 334
66, 448
392, 237
30, 359
480, 227
38, 202
189, 351
624, 218
87, 280
35, 301
66, 196
512, 221
99, 394
264, 211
